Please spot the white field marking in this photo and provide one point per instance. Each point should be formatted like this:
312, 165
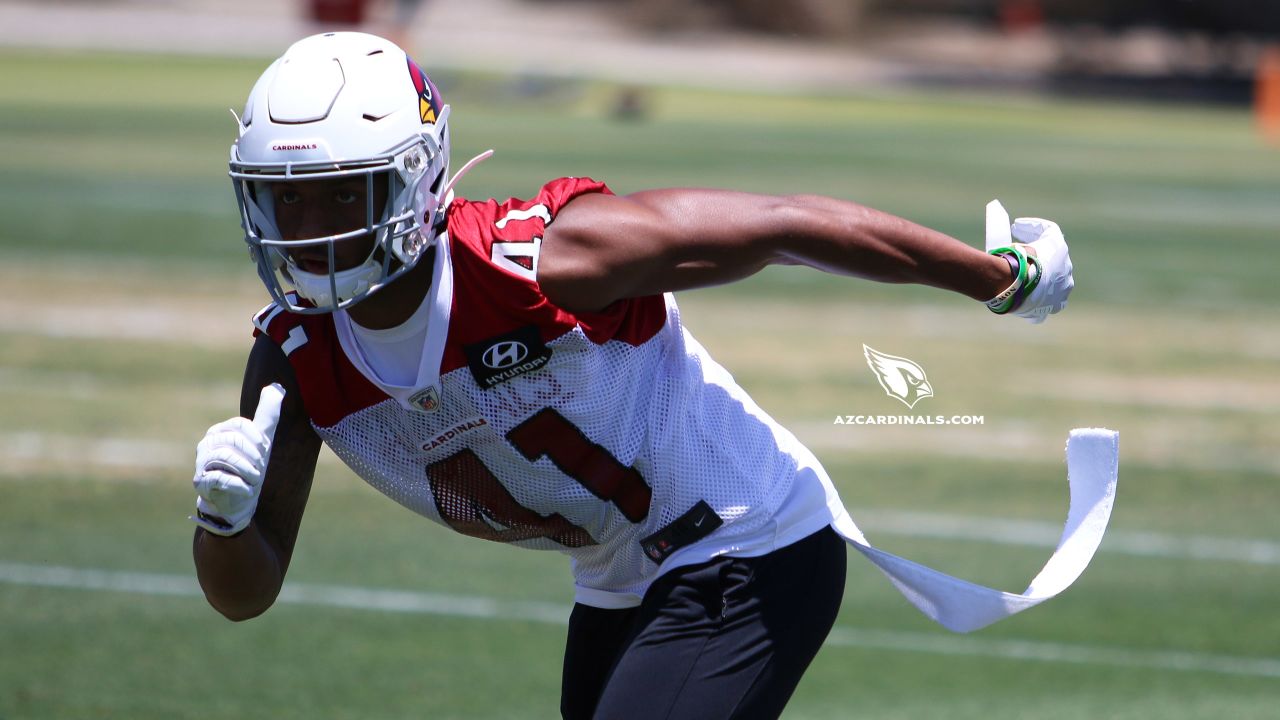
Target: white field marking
23, 452
1032, 533
224, 319
73, 384
27, 448
487, 608
718, 322
1160, 443
27, 452
85, 385
1182, 393
1053, 652
124, 322
340, 596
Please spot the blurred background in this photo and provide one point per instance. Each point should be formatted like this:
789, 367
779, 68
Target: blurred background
1148, 130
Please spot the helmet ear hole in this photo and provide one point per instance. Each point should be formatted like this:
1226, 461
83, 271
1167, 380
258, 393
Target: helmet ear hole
408, 246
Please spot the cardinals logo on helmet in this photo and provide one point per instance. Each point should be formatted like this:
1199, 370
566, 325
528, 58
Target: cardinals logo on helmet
428, 96
901, 378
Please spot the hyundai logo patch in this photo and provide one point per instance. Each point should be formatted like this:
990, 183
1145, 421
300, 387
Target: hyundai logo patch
503, 355
507, 356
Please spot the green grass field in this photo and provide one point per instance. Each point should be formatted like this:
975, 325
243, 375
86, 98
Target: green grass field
124, 327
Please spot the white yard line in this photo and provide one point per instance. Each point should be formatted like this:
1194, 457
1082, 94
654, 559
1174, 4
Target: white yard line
23, 453
209, 317
1054, 652
487, 608
24, 450
1175, 392
120, 322
1031, 533
1161, 442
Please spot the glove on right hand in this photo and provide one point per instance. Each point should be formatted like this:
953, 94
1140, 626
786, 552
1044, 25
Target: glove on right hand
231, 463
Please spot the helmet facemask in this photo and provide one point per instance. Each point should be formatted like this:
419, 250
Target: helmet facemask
401, 219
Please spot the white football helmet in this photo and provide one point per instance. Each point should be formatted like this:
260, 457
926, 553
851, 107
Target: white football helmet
343, 105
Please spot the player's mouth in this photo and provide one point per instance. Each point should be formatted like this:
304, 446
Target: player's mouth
314, 264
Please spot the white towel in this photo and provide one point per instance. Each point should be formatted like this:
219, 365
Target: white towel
1093, 457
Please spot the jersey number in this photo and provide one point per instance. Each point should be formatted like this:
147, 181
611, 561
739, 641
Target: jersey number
520, 257
472, 501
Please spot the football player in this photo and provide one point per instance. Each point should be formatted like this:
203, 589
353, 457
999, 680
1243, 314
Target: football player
517, 371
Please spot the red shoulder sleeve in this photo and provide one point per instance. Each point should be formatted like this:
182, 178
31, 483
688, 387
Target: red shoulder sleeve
557, 193
509, 233
494, 247
332, 388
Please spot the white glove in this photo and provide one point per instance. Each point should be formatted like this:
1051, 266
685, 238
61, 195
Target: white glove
231, 462
1046, 239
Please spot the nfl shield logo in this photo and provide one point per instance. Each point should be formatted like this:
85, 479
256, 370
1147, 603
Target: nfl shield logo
426, 400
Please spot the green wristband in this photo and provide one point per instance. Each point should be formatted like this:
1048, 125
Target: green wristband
1007, 300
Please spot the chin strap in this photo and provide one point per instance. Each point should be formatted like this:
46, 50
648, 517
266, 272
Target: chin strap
349, 283
446, 195
465, 169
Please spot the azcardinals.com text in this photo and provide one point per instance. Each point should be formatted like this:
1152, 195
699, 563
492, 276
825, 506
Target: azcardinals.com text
909, 420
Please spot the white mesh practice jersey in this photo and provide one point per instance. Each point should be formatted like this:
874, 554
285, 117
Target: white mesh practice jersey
612, 436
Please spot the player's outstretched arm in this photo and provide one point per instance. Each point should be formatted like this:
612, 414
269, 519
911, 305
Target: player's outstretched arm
241, 549
602, 248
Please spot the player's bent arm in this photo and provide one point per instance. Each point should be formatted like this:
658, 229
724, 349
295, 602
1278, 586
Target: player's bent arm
241, 575
601, 248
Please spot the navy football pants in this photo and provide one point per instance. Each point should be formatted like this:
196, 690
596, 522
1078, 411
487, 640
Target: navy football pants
725, 639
